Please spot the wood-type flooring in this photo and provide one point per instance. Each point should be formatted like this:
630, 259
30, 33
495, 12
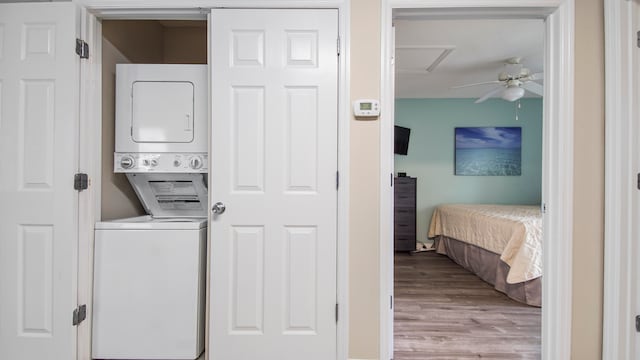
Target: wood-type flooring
442, 311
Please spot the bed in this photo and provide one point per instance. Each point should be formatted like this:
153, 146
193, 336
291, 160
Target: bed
502, 244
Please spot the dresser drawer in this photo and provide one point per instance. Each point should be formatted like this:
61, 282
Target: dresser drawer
401, 212
404, 230
404, 223
404, 243
404, 215
405, 188
404, 200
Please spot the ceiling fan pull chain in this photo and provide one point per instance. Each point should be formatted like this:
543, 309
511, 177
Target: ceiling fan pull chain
518, 110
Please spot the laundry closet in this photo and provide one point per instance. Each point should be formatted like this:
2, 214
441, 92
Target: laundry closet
151, 243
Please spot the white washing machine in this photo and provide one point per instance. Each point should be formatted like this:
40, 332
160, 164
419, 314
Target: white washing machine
149, 288
150, 271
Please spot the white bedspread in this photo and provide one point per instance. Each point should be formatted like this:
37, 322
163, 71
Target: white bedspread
512, 231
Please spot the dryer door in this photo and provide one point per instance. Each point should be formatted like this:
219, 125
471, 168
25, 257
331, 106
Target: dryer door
171, 195
162, 111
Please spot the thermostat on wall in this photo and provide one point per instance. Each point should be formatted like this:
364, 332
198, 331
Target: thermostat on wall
366, 108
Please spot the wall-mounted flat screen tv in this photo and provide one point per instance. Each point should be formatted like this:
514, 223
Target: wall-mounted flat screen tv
401, 140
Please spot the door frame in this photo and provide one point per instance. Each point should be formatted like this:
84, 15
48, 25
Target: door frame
557, 178
89, 201
199, 9
621, 166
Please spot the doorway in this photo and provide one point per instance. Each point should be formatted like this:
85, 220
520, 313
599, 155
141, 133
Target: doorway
556, 181
475, 154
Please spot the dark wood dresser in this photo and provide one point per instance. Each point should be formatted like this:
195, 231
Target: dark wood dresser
404, 214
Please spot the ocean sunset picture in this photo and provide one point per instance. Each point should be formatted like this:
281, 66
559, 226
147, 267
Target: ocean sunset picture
488, 151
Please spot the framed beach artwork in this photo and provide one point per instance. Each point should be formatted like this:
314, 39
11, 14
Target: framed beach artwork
488, 151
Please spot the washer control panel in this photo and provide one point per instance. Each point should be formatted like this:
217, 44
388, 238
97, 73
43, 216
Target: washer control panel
161, 162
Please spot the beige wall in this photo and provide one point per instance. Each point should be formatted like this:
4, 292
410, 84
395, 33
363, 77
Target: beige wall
364, 190
140, 41
118, 198
588, 172
588, 226
123, 42
185, 45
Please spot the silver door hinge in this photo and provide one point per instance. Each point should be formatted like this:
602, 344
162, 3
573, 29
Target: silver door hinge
543, 208
79, 314
637, 323
638, 38
391, 302
336, 312
337, 180
82, 49
638, 181
338, 45
81, 181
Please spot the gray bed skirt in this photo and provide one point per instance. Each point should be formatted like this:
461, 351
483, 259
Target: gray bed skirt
490, 268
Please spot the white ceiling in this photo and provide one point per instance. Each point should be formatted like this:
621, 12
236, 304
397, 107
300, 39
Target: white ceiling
477, 51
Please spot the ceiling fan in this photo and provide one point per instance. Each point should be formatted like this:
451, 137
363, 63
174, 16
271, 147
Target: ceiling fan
513, 82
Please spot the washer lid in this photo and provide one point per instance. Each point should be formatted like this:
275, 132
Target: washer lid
148, 223
171, 195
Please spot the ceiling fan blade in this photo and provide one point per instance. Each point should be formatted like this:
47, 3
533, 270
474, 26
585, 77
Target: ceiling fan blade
536, 76
489, 94
534, 87
480, 83
412, 72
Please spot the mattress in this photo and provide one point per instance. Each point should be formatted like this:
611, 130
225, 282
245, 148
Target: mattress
514, 232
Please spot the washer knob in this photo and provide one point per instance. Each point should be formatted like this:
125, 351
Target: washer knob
195, 162
154, 162
127, 162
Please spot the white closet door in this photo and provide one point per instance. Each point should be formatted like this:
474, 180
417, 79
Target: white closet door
38, 159
274, 162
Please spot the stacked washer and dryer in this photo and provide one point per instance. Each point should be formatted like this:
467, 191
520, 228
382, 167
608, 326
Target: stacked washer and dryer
150, 271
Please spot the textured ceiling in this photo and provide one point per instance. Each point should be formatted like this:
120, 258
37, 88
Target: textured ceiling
460, 52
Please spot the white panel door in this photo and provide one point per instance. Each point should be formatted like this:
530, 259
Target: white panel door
274, 163
38, 157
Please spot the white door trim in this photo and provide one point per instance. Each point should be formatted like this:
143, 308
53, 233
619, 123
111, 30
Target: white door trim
621, 113
557, 160
90, 162
196, 9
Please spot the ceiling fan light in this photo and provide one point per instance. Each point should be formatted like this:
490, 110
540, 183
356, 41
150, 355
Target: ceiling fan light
513, 93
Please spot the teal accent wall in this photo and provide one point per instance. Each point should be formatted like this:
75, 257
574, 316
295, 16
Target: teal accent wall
431, 153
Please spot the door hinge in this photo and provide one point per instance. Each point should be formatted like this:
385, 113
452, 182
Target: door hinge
637, 323
81, 181
391, 177
338, 46
82, 49
543, 208
638, 38
79, 314
337, 180
638, 181
391, 302
336, 312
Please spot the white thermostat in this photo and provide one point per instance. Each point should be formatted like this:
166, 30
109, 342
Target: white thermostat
367, 108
